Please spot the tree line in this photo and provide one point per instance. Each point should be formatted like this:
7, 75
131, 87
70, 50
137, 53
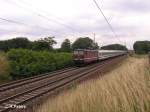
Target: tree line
114, 47
23, 42
47, 44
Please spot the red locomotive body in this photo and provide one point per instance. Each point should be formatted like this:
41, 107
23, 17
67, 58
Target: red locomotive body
85, 56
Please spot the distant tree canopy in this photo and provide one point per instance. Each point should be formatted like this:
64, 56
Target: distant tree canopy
39, 45
114, 47
49, 40
43, 44
84, 43
141, 47
22, 42
19, 42
66, 46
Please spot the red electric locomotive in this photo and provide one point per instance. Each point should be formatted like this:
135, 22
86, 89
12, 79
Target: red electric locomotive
81, 56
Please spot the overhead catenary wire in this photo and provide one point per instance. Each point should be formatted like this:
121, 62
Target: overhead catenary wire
42, 15
23, 24
109, 25
12, 21
61, 21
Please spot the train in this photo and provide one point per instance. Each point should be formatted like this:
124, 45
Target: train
85, 56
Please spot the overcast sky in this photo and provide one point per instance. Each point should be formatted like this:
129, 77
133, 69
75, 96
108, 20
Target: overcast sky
76, 18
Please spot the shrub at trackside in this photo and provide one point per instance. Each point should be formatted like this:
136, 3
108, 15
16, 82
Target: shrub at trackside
4, 68
26, 63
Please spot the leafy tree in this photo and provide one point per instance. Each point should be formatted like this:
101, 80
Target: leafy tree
49, 40
3, 46
39, 45
66, 46
141, 47
114, 47
19, 42
95, 46
22, 42
84, 43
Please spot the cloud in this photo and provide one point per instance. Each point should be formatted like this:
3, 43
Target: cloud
76, 18
135, 6
126, 6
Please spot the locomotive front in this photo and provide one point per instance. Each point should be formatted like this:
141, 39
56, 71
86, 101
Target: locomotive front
83, 56
78, 56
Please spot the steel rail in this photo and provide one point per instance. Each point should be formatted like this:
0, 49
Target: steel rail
58, 78
21, 82
37, 91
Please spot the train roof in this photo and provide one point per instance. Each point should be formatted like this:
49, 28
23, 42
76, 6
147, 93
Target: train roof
100, 50
84, 50
111, 51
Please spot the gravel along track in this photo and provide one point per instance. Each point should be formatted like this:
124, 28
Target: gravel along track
49, 84
14, 87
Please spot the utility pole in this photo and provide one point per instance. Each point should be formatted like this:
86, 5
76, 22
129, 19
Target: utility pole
94, 37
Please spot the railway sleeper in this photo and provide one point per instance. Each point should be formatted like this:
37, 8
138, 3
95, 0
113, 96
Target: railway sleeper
5, 105
19, 99
23, 98
27, 95
1, 108
14, 102
33, 94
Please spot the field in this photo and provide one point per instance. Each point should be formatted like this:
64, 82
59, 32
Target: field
125, 89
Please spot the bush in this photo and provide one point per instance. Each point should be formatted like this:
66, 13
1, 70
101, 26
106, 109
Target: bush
141, 47
25, 63
4, 68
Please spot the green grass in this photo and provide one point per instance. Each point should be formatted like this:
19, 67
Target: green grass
125, 89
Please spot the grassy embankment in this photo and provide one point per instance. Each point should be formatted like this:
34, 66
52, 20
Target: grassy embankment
125, 89
4, 68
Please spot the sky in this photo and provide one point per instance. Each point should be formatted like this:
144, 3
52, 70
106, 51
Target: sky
72, 19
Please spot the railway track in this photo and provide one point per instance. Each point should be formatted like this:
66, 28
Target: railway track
45, 84
29, 83
14, 84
